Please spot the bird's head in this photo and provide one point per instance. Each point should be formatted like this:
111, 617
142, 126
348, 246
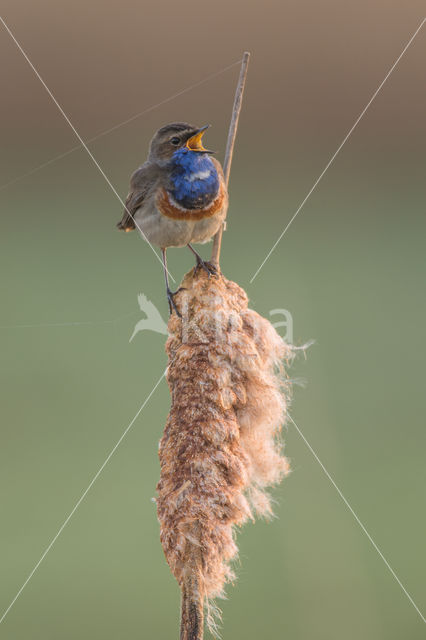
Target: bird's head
177, 136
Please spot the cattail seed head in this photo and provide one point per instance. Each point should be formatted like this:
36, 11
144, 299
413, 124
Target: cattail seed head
220, 450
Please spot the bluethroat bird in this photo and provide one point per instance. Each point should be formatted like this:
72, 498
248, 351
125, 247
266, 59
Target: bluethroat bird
178, 196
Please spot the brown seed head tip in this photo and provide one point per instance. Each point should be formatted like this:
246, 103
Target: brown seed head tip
220, 450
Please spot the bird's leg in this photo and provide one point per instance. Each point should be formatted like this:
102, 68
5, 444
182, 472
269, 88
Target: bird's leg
203, 264
170, 294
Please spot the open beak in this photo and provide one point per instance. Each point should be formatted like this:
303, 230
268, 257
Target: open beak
194, 142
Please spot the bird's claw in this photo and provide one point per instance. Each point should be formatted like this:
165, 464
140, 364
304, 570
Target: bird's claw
208, 267
172, 303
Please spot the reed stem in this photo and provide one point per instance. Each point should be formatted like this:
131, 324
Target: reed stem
217, 241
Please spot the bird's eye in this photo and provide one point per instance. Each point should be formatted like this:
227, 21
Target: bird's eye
175, 141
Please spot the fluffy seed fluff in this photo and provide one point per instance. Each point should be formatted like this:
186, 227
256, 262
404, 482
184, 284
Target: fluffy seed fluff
220, 450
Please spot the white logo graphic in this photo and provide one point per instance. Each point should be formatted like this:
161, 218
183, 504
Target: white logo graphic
154, 321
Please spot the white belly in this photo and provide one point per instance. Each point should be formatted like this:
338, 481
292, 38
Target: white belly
162, 231
204, 230
165, 232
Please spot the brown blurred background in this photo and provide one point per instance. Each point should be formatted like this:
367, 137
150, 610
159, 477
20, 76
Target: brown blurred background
351, 271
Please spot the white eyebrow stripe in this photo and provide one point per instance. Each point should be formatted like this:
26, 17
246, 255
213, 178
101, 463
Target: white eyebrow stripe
200, 175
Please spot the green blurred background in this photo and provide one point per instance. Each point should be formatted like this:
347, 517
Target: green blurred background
351, 270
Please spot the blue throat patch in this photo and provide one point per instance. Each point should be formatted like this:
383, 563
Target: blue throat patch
194, 179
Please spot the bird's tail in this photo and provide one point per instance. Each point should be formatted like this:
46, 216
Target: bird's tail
126, 224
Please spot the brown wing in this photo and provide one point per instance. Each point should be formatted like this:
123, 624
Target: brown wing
141, 183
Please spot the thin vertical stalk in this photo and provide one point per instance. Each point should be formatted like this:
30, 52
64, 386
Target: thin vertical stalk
217, 241
192, 602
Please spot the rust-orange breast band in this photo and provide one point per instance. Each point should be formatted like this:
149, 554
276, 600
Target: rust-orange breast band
171, 210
